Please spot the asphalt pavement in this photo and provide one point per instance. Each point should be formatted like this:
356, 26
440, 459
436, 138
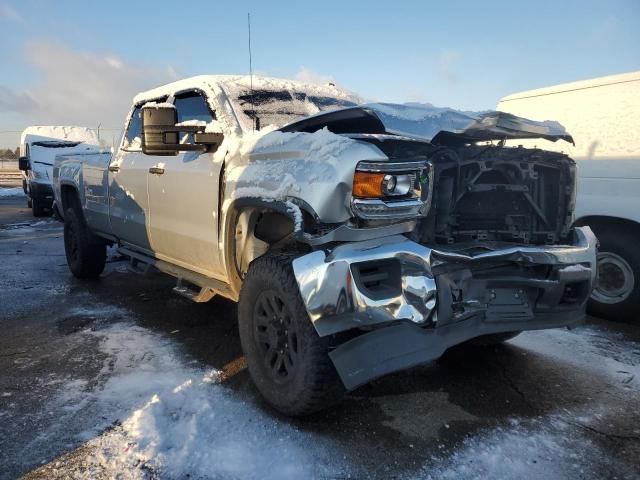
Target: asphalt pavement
121, 378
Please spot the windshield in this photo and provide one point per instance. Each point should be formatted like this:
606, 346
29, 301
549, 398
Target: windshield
280, 107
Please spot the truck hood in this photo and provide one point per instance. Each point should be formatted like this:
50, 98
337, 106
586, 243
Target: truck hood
444, 126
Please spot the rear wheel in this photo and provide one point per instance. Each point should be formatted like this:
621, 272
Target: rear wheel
616, 294
86, 253
287, 360
38, 209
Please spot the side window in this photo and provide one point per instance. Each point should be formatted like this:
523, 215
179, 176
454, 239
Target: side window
133, 135
193, 106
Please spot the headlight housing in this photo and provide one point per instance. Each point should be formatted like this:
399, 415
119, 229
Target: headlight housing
392, 190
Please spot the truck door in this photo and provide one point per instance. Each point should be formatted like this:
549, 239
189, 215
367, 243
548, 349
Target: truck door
128, 198
183, 199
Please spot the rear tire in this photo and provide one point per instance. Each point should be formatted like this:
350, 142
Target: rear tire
287, 360
37, 208
616, 295
86, 253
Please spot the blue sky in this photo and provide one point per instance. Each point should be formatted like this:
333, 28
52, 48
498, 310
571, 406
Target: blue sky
81, 62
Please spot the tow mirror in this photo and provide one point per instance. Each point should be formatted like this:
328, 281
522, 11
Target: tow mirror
161, 134
23, 163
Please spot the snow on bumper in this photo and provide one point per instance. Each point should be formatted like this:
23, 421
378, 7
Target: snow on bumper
417, 299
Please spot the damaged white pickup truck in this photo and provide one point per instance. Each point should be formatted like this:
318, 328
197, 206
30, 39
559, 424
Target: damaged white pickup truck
358, 239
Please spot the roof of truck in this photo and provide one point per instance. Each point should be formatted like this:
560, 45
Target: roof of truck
39, 133
580, 85
231, 83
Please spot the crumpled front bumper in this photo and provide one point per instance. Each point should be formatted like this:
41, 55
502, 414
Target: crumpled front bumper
414, 302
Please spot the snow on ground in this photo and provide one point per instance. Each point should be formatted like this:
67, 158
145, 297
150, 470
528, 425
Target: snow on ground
177, 419
538, 449
163, 414
11, 192
555, 445
604, 353
26, 227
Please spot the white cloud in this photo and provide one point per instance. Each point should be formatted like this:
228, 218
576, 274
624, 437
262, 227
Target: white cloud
309, 76
447, 64
79, 88
7, 12
114, 62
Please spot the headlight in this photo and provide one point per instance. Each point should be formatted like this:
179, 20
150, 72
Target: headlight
391, 190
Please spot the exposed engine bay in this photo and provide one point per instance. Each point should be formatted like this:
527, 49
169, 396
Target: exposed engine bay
500, 194
478, 192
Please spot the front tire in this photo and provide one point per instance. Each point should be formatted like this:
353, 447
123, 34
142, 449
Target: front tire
616, 294
86, 253
287, 360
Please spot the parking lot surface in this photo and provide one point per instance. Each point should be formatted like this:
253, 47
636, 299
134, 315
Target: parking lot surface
122, 378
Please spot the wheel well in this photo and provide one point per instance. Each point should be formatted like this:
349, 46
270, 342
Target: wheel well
257, 230
254, 231
604, 223
70, 197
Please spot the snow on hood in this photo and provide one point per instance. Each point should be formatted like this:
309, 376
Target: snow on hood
437, 124
427, 121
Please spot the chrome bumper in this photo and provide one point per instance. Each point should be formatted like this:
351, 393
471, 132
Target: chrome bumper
414, 302
337, 299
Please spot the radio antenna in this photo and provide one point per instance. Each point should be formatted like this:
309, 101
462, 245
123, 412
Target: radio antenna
256, 121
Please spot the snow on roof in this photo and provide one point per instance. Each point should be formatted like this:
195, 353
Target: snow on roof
565, 87
231, 96
243, 82
49, 132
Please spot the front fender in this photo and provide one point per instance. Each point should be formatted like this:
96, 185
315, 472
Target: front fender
316, 168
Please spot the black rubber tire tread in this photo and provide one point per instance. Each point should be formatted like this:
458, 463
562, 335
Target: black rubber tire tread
91, 250
317, 384
625, 245
493, 339
37, 208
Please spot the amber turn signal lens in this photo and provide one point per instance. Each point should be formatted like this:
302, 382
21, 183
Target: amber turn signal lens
368, 185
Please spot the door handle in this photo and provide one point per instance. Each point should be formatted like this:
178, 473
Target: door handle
114, 168
156, 170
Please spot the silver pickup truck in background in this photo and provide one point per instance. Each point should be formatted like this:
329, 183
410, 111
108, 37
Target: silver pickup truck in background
39, 146
359, 240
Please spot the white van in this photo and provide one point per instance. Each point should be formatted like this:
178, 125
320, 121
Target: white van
603, 116
38, 147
